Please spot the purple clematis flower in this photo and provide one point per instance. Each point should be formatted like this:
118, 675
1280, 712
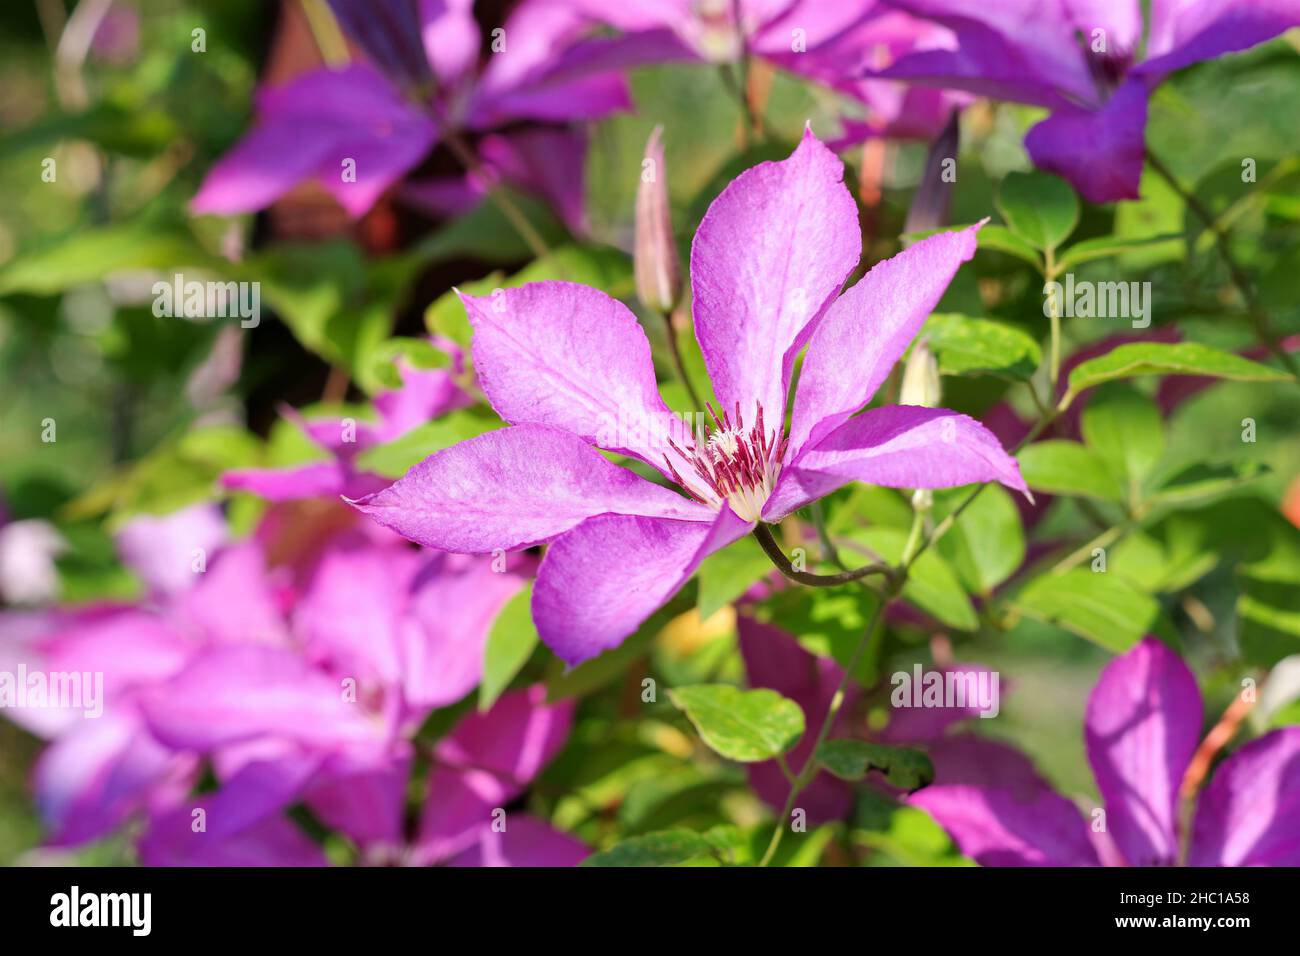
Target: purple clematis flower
278, 672
830, 43
484, 763
423, 83
424, 396
1079, 59
1142, 729
570, 369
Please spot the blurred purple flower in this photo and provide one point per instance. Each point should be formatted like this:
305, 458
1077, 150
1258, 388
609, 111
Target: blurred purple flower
283, 681
422, 83
830, 43
424, 396
1078, 58
480, 767
570, 368
1142, 729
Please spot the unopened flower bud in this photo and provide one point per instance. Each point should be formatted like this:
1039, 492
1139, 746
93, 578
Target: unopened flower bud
654, 260
930, 204
921, 385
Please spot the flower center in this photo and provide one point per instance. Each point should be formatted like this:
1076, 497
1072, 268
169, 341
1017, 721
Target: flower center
1108, 68
738, 466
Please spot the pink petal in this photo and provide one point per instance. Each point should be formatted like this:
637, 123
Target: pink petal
996, 827
772, 252
1025, 51
273, 841
320, 479
348, 636
515, 739
867, 330
451, 37
367, 806
897, 446
445, 632
161, 549
526, 841
234, 693
487, 761
90, 780
306, 129
549, 162
1142, 728
569, 356
234, 600
1249, 813
514, 488
601, 580
1184, 33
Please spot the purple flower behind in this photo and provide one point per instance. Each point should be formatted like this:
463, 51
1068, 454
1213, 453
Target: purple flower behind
1142, 728
423, 83
424, 396
1078, 58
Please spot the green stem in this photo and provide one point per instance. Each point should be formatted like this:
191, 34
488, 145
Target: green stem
1258, 317
778, 558
513, 213
809, 769
680, 366
1054, 357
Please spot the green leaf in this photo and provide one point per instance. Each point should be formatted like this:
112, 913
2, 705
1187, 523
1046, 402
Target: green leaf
93, 254
828, 622
509, 645
1200, 482
613, 664
1124, 428
968, 346
747, 726
1001, 239
1061, 467
1186, 358
485, 233
931, 585
903, 767
1105, 247
666, 848
1099, 606
727, 574
991, 236
1038, 207
987, 545
382, 367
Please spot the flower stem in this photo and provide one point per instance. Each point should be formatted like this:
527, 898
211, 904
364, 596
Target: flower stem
774, 552
1258, 317
532, 238
1054, 357
676, 353
809, 769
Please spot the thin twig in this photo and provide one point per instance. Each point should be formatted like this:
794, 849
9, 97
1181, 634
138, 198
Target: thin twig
1258, 317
